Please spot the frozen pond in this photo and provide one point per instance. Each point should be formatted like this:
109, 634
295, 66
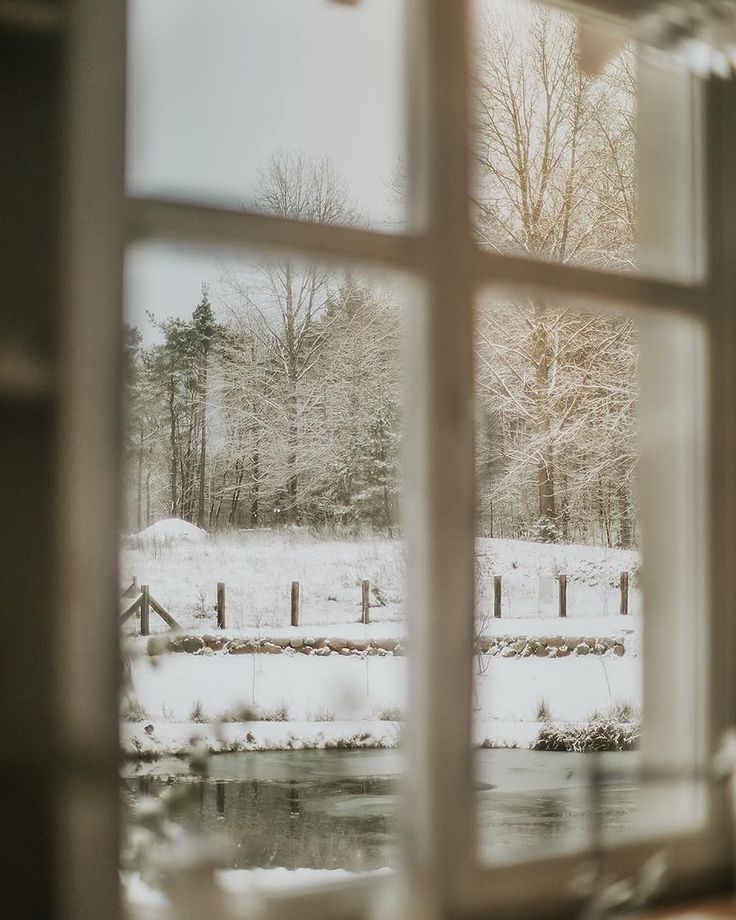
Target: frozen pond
340, 809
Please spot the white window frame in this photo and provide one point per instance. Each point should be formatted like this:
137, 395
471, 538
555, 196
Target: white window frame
441, 873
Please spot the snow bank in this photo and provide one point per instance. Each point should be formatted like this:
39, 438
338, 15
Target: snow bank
144, 901
155, 739
325, 701
172, 530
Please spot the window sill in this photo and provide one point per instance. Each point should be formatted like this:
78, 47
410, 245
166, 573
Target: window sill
721, 909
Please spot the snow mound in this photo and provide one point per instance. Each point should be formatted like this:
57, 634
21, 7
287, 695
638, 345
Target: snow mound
172, 530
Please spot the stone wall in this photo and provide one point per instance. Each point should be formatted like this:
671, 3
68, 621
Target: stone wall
501, 646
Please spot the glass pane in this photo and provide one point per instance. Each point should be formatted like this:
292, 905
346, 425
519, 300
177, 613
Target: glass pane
583, 419
232, 102
262, 492
566, 159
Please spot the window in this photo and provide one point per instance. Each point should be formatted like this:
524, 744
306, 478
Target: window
440, 251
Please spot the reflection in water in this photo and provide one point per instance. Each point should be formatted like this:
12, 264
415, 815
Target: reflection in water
339, 809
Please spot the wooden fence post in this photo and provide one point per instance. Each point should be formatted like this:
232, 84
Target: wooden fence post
365, 603
295, 603
624, 588
497, 596
563, 594
220, 604
145, 610
135, 585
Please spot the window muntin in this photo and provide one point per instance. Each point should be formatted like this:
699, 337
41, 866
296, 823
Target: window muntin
469, 889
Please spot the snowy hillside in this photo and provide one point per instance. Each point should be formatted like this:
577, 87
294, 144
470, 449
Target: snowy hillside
258, 568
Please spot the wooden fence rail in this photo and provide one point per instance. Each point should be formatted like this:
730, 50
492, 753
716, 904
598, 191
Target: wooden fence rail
142, 603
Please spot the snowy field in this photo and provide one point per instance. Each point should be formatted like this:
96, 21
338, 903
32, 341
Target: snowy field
258, 568
320, 700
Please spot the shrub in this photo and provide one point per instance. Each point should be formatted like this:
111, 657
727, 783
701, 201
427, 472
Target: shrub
133, 710
543, 714
390, 714
278, 713
623, 711
321, 715
197, 714
598, 735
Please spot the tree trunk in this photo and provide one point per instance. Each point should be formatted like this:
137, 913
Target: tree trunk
545, 463
139, 516
174, 448
232, 517
255, 488
148, 497
624, 517
292, 485
203, 448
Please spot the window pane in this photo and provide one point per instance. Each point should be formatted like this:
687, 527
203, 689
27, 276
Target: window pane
580, 426
264, 405
561, 154
230, 100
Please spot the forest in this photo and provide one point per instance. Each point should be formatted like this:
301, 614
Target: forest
279, 402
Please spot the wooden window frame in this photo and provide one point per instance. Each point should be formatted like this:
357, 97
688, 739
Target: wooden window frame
441, 876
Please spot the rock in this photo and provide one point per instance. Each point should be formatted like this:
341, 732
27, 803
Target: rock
322, 651
270, 648
346, 651
562, 652
572, 642
358, 645
282, 643
309, 641
215, 643
619, 649
242, 647
337, 645
508, 652
552, 651
582, 649
296, 643
526, 653
519, 646
149, 729
188, 644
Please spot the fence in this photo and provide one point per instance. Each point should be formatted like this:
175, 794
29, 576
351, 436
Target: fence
623, 587
142, 603
139, 600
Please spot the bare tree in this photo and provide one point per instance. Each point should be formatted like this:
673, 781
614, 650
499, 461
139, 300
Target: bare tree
555, 180
289, 300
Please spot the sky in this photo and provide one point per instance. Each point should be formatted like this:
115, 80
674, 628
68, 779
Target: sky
216, 88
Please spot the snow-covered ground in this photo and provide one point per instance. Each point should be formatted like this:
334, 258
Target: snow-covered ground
323, 702
330, 700
258, 568
228, 888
